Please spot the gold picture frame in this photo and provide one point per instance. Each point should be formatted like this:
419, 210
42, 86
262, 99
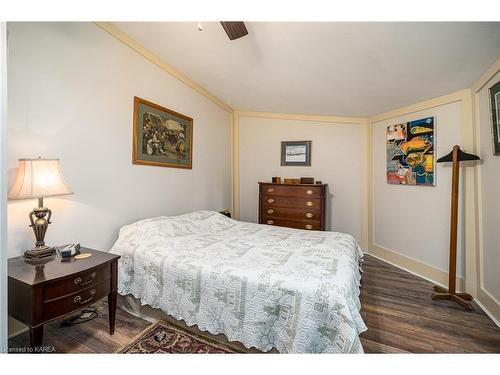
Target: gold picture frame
161, 137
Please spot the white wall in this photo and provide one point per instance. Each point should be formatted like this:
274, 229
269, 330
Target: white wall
490, 188
71, 89
336, 160
414, 220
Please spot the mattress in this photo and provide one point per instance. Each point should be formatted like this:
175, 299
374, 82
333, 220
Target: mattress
263, 286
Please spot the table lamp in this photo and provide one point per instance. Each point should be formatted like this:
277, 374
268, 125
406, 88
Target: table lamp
39, 178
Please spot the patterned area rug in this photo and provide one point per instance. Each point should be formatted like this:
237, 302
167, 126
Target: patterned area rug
164, 337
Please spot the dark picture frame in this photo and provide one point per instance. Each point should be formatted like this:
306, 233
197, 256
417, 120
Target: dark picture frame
162, 137
495, 117
296, 153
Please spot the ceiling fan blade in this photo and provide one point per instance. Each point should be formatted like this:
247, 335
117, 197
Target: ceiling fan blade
234, 30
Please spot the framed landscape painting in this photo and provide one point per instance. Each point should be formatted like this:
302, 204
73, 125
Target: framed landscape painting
495, 117
162, 137
410, 153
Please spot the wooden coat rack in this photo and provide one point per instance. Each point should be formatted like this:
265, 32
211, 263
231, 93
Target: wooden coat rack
464, 299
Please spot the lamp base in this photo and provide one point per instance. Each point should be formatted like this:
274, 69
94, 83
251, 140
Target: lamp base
39, 252
39, 224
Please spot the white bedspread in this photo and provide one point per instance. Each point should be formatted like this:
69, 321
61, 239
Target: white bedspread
264, 286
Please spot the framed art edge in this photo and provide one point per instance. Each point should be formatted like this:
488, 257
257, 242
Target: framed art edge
495, 136
168, 165
134, 130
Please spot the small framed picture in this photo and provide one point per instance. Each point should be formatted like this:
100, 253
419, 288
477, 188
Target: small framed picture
495, 117
296, 153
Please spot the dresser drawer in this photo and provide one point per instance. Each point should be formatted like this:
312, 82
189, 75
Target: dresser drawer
298, 224
304, 213
77, 282
270, 201
292, 191
65, 305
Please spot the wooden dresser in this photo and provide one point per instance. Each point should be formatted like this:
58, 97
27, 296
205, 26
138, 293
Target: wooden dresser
300, 206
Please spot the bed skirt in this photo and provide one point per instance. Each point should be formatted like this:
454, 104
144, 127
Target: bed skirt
134, 307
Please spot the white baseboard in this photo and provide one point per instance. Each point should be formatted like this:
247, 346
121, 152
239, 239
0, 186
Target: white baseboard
416, 267
489, 305
485, 301
487, 312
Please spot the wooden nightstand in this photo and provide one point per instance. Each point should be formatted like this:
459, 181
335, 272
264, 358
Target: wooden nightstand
54, 287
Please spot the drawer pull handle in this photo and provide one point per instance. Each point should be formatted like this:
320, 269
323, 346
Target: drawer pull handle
270, 222
309, 204
78, 299
309, 214
309, 226
309, 192
270, 211
78, 280
270, 200
270, 190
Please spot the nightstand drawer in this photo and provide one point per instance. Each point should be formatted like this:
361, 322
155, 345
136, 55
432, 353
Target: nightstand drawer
65, 305
77, 282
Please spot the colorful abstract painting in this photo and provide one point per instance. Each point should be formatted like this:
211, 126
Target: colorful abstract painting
410, 153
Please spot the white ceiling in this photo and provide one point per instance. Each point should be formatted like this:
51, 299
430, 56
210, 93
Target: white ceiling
347, 69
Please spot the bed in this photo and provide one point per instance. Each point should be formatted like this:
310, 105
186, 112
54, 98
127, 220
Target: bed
263, 286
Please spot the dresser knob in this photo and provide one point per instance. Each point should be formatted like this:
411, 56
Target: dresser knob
270, 211
309, 192
309, 226
270, 200
309, 214
270, 222
270, 190
309, 204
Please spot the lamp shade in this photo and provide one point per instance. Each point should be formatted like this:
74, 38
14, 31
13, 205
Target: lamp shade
38, 178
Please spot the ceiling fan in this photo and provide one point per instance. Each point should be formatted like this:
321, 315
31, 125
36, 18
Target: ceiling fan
234, 30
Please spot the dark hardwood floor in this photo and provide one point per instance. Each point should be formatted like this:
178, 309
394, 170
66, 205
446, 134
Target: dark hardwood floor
88, 337
396, 306
401, 316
